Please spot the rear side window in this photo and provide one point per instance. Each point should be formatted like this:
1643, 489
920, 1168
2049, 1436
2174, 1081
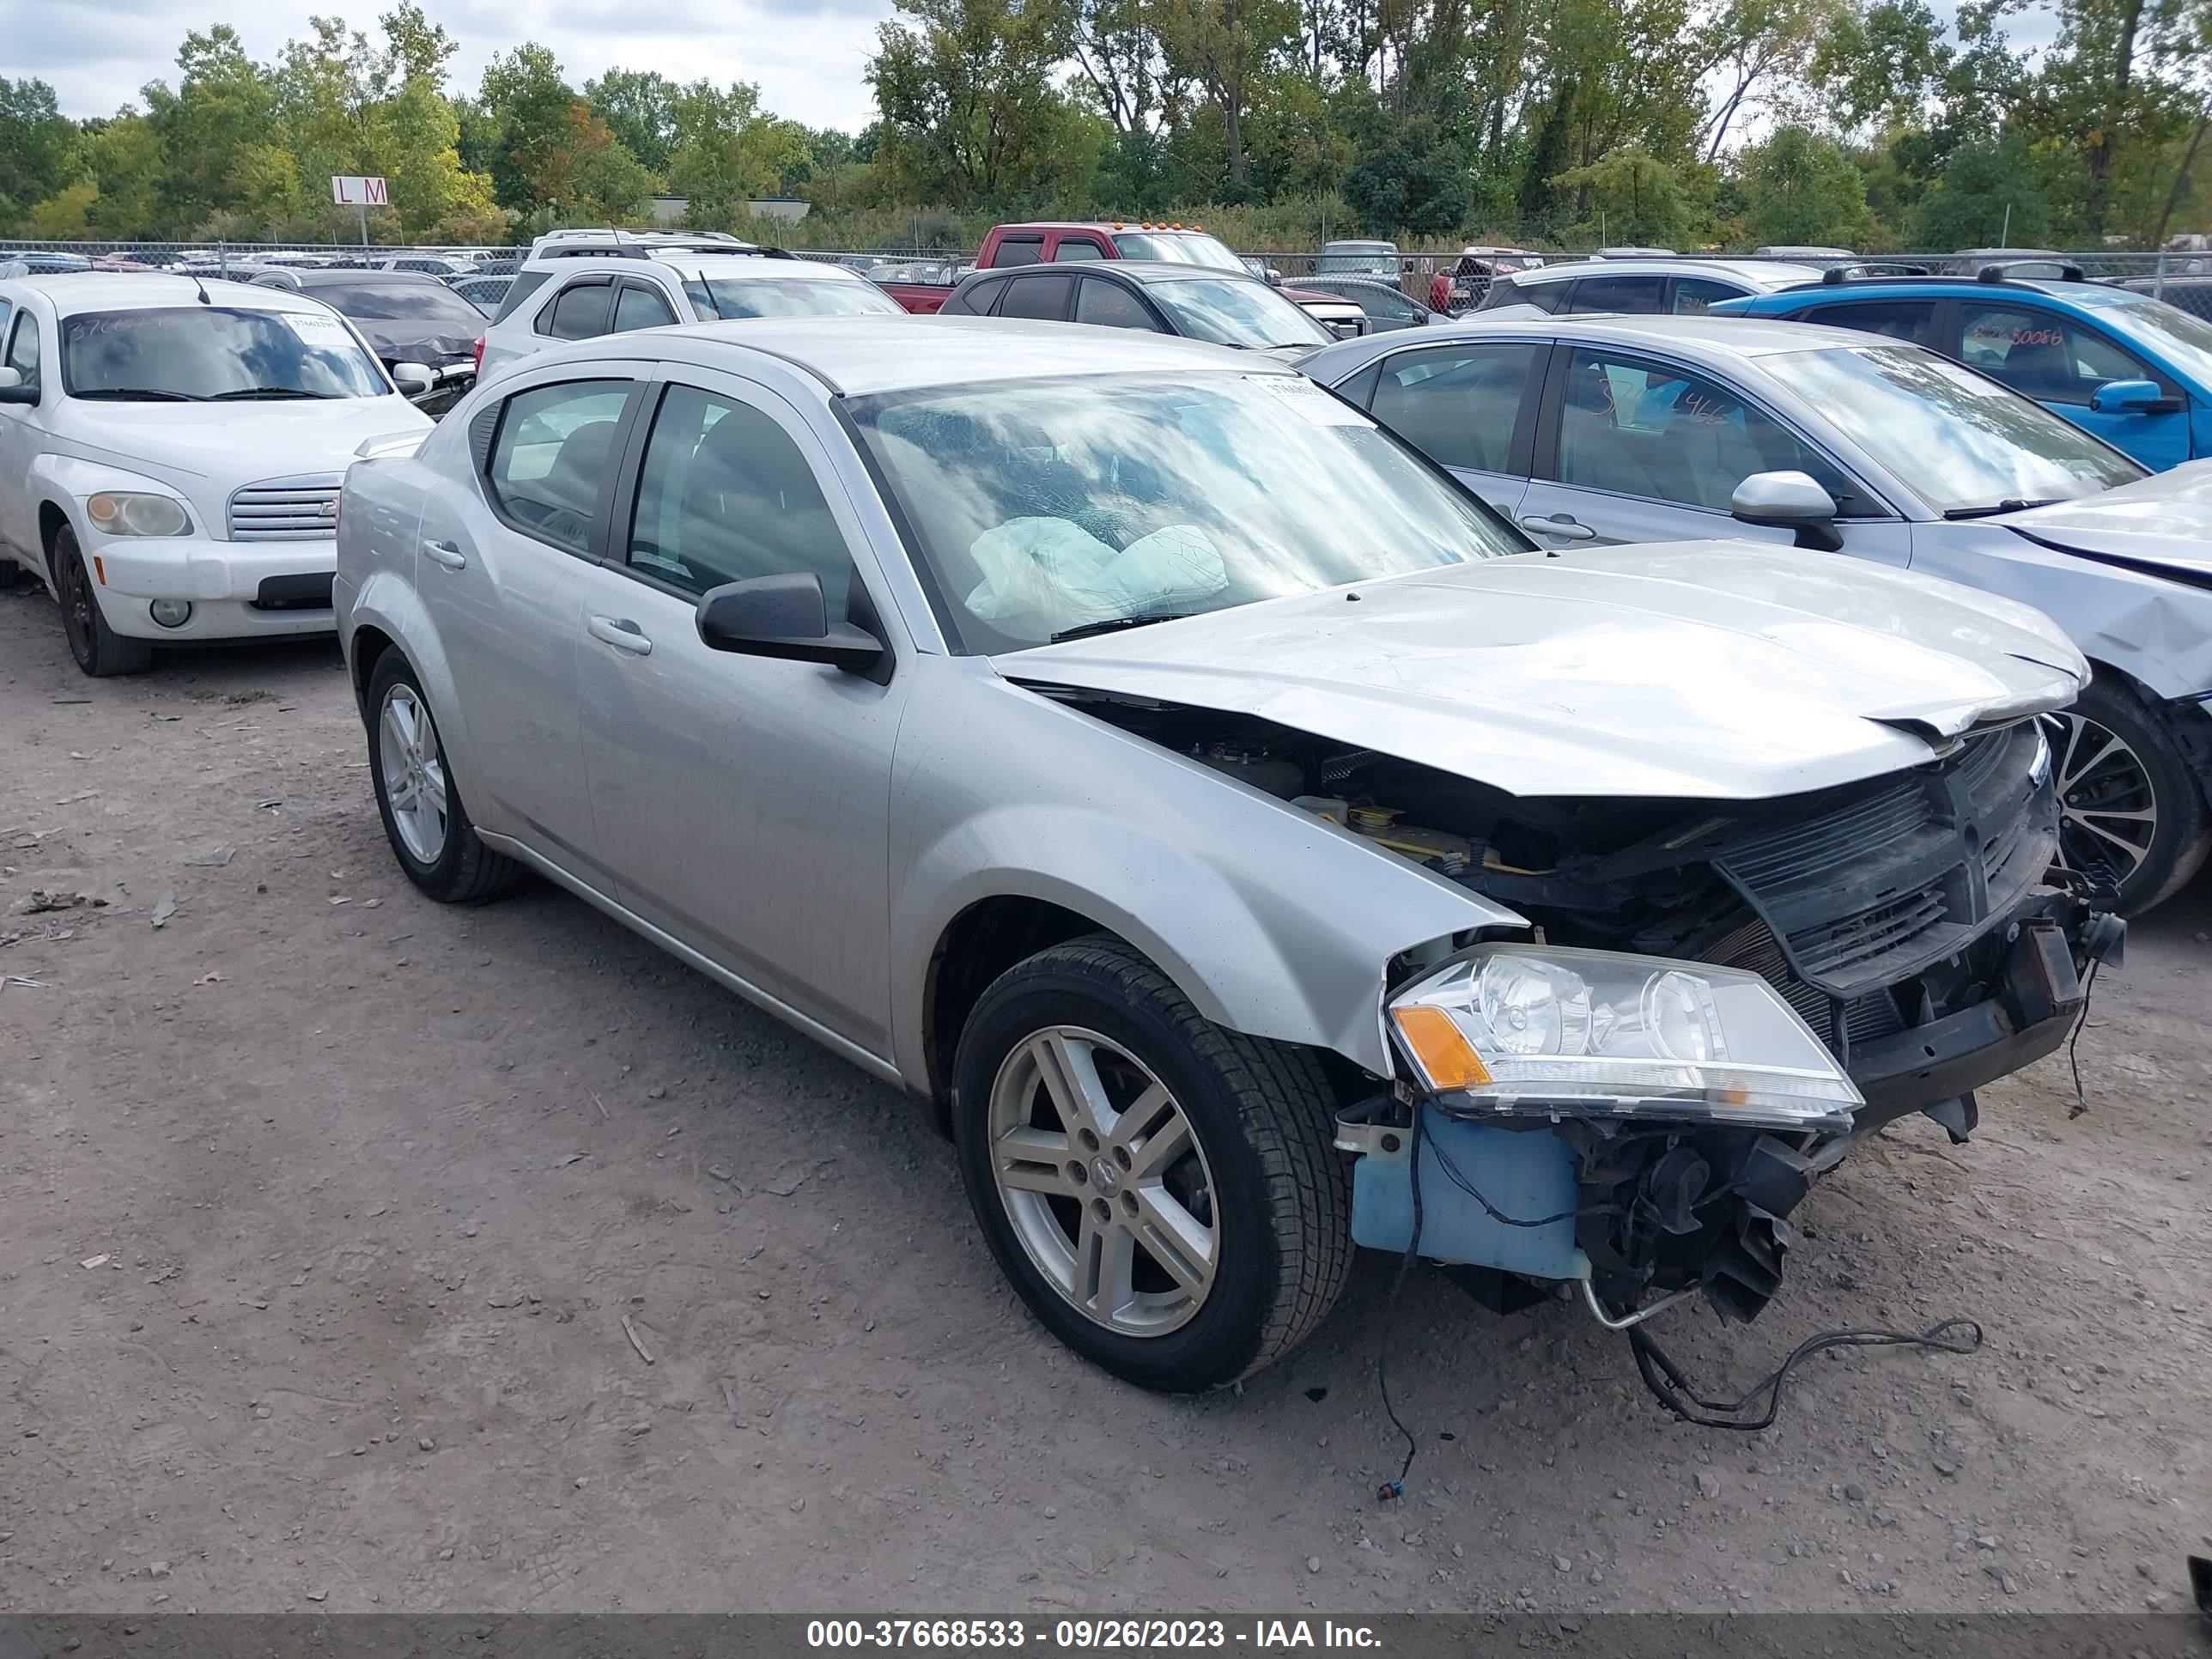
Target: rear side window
579, 311
526, 284
1896, 320
1625, 293
1545, 296
553, 451
1041, 298
1696, 295
1079, 247
1456, 404
1018, 251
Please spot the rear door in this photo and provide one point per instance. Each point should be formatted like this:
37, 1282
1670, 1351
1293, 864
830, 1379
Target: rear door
499, 575
1630, 447
1469, 407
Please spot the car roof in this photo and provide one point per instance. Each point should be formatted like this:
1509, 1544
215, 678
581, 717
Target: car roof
318, 277
1768, 273
861, 356
75, 293
1144, 271
743, 267
1710, 338
2083, 293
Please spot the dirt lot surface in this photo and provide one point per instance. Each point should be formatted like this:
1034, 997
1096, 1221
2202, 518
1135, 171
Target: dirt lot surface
324, 1211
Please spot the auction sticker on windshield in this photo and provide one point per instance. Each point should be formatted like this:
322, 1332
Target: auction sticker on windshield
318, 331
1309, 400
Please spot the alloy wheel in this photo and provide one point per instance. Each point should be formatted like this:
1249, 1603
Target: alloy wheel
414, 775
2107, 805
1104, 1182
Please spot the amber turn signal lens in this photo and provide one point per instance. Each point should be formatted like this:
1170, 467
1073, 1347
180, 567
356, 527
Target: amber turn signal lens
1447, 1058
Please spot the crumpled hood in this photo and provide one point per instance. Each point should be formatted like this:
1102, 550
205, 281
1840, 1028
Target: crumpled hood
276, 439
2164, 521
401, 341
1710, 669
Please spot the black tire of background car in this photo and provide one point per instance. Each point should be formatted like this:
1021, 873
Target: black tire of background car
1261, 1111
467, 872
99, 651
2185, 833
13, 577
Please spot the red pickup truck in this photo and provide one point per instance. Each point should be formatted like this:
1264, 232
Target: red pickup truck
919, 285
1047, 242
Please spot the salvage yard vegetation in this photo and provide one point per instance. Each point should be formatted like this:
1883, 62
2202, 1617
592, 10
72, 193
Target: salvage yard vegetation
1868, 124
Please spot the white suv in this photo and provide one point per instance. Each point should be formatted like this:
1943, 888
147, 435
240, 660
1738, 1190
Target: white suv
171, 452
579, 284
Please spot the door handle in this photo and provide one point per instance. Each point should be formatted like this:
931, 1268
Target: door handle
1559, 523
623, 633
446, 554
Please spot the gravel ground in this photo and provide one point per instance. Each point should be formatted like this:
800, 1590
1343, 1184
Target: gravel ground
336, 1228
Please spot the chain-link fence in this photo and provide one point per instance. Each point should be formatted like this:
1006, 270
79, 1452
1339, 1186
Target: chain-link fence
2182, 277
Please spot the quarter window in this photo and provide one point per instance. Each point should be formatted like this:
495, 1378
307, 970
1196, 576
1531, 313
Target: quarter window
639, 306
555, 446
1638, 427
979, 299
725, 495
1456, 404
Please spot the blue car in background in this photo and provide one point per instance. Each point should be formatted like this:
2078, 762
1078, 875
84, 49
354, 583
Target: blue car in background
2133, 369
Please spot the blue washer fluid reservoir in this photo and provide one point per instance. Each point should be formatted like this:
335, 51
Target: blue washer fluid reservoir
1524, 1172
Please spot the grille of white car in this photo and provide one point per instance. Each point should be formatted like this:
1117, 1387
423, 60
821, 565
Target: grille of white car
286, 509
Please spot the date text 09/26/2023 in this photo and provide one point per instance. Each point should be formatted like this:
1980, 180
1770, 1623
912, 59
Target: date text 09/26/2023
1090, 1634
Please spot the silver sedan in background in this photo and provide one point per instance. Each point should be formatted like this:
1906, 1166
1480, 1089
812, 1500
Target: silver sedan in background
1247, 841
1594, 430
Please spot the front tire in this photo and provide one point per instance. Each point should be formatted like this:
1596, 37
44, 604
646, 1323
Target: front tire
101, 651
428, 827
1161, 1192
2131, 813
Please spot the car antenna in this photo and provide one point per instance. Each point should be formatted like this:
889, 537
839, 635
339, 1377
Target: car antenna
200, 288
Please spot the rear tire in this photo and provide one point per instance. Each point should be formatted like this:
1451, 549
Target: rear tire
101, 651
1195, 1227
429, 828
2131, 811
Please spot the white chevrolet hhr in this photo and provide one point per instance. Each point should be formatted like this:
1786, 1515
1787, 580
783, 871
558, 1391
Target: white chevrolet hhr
171, 452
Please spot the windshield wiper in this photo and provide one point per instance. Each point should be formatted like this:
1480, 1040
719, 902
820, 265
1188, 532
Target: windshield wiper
1115, 624
136, 394
268, 392
2012, 504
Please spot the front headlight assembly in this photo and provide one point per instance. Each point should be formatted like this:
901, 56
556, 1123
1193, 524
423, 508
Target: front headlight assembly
137, 513
1538, 1030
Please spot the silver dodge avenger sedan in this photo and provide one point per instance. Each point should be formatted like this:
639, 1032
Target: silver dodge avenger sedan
1248, 844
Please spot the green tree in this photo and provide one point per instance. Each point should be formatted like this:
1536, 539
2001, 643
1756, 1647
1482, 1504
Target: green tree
1987, 197
38, 145
1230, 49
217, 132
727, 150
547, 153
638, 106
1800, 187
1631, 196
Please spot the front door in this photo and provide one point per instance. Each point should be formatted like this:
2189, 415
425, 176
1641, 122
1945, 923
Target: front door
498, 572
742, 802
1633, 449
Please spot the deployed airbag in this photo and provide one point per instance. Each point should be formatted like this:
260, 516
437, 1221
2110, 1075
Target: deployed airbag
1056, 571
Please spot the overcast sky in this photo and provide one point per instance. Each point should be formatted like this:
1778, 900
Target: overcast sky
808, 55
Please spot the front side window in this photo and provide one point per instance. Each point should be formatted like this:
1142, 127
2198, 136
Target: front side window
1236, 312
2182, 338
555, 446
1042, 506
1639, 427
1456, 404
1963, 444
1911, 320
639, 306
23, 348
579, 311
725, 495
190, 353
1111, 306
2041, 354
733, 298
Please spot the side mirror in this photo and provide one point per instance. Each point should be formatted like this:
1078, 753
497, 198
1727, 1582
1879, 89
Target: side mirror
2131, 398
12, 389
784, 616
1790, 500
413, 380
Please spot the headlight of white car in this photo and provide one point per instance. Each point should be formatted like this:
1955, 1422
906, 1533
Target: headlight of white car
135, 512
1535, 1029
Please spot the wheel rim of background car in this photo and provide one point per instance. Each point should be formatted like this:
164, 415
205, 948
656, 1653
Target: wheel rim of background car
1102, 1174
2107, 807
414, 776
